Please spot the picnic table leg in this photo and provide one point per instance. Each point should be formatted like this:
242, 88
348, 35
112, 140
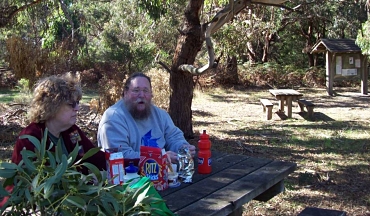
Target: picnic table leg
289, 105
237, 212
271, 192
281, 105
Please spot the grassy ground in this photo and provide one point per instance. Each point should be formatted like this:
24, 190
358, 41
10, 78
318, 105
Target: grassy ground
332, 150
8, 95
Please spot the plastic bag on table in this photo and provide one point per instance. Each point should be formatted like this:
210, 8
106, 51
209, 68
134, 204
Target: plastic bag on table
186, 165
158, 205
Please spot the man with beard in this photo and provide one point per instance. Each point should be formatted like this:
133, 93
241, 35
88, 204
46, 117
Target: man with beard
134, 121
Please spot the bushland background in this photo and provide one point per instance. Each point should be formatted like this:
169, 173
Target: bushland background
261, 47
332, 150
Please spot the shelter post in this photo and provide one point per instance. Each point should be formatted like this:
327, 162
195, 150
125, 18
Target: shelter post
329, 78
365, 75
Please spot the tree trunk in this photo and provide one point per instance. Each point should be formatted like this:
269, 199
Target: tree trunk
188, 45
232, 70
308, 51
307, 33
311, 61
251, 53
266, 47
315, 59
270, 38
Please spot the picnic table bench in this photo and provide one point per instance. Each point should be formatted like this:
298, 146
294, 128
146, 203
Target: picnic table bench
309, 106
234, 181
266, 104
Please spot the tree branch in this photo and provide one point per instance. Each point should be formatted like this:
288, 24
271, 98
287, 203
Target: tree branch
165, 66
66, 13
8, 13
220, 19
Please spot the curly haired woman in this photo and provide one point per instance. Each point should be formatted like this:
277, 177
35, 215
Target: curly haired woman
55, 106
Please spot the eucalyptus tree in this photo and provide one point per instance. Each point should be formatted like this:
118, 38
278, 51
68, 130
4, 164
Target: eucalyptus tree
364, 32
119, 31
10, 8
311, 21
190, 38
317, 19
48, 29
252, 33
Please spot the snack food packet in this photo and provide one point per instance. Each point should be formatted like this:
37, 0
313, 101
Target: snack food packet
186, 165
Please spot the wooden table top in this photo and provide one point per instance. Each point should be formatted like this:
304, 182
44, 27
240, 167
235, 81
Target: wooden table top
234, 181
285, 92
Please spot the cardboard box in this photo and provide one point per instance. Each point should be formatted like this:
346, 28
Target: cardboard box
153, 165
115, 166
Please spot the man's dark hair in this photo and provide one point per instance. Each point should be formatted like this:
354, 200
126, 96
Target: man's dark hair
133, 76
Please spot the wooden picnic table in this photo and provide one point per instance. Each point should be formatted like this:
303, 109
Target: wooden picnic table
234, 181
285, 97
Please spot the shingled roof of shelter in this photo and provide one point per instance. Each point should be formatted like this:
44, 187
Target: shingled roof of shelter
336, 46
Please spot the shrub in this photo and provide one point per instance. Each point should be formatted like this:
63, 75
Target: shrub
48, 183
25, 93
161, 87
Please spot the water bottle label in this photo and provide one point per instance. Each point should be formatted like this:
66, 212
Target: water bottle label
200, 161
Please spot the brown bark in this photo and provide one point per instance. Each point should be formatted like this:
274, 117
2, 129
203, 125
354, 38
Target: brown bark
269, 39
232, 70
308, 35
251, 53
181, 82
311, 62
266, 48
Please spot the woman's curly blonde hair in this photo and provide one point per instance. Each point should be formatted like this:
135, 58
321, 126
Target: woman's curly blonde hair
51, 93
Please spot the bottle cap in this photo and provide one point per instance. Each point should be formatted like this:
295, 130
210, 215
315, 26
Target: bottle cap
131, 168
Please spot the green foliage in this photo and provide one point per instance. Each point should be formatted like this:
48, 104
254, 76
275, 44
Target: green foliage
133, 35
363, 38
129, 43
23, 85
48, 183
56, 30
155, 8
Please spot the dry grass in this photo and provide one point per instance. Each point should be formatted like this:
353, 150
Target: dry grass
332, 151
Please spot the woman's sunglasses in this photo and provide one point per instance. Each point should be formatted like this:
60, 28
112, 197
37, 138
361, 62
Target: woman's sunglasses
74, 104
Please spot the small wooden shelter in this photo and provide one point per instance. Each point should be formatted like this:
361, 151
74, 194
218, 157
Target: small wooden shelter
344, 60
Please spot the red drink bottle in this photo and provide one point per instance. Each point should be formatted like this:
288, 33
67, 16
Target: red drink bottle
204, 154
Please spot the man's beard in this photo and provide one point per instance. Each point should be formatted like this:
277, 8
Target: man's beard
138, 114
